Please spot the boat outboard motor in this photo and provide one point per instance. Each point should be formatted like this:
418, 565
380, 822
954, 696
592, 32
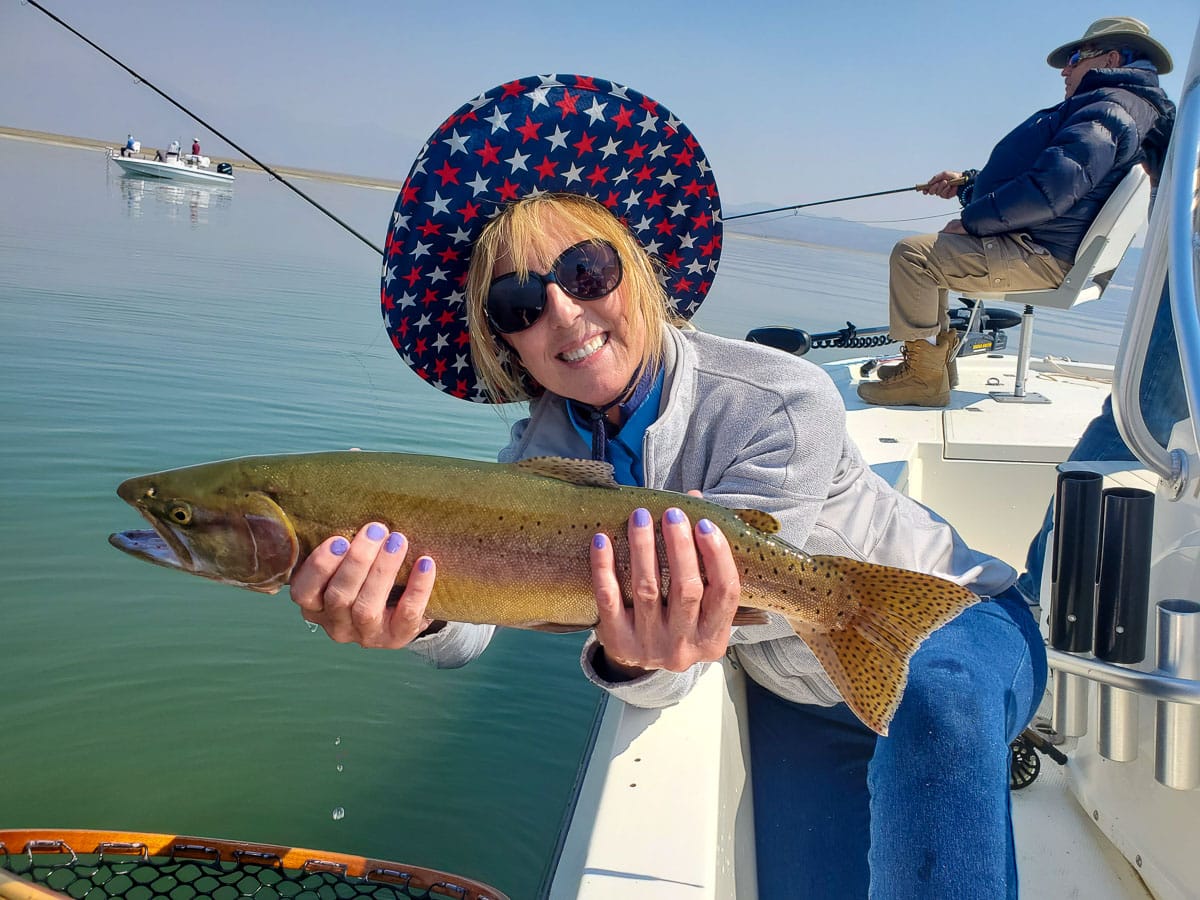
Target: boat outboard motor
225, 168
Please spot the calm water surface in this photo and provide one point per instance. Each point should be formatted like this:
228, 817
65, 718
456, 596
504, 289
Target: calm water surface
146, 326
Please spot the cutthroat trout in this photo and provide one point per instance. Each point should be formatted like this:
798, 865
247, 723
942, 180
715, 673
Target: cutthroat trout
512, 541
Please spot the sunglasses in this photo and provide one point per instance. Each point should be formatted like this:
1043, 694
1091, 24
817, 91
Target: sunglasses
1080, 55
588, 270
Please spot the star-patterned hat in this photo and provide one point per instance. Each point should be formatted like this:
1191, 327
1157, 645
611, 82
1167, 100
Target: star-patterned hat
560, 133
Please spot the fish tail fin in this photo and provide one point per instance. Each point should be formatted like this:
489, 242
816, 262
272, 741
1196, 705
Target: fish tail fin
889, 612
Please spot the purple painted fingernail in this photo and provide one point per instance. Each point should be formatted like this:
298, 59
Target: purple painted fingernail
706, 527
641, 517
424, 564
394, 542
339, 547
674, 515
375, 531
599, 541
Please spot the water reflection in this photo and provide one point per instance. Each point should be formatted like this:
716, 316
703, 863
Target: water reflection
161, 198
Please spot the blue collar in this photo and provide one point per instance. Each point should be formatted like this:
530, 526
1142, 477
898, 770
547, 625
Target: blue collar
636, 415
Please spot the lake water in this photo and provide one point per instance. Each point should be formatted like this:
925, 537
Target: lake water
145, 326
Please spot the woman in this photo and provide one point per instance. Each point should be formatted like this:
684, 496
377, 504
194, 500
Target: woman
565, 307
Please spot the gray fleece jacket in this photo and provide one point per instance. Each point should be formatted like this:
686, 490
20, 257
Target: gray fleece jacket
754, 428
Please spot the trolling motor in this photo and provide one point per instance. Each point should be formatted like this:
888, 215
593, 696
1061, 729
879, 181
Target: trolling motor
981, 329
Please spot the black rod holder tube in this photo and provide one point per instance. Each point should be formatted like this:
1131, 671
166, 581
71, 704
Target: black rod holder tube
1075, 561
1123, 589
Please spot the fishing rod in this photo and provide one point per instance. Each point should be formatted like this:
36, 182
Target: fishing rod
763, 212
246, 153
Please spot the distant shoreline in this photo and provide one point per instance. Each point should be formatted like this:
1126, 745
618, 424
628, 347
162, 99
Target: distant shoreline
63, 140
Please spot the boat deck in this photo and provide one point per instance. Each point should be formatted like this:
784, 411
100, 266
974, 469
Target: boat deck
971, 461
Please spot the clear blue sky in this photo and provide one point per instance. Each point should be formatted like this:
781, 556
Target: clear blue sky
792, 100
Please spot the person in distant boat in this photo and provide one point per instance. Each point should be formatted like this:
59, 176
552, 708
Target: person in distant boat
1025, 213
173, 150
130, 146
195, 146
503, 282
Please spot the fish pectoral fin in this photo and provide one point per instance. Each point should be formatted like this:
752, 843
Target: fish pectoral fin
588, 472
756, 518
555, 627
749, 615
884, 615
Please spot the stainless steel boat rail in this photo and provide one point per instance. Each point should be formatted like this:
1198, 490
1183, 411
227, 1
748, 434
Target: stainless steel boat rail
1174, 684
1170, 253
1155, 683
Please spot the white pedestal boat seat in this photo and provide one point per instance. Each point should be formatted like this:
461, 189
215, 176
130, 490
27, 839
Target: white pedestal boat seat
1103, 247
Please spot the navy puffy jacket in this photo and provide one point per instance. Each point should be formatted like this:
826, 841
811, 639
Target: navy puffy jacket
1051, 174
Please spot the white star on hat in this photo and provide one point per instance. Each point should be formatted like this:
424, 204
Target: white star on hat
498, 120
596, 110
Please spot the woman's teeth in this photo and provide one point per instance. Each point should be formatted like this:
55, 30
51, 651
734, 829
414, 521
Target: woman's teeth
585, 351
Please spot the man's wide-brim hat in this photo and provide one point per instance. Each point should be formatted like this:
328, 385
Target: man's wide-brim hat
1115, 32
545, 133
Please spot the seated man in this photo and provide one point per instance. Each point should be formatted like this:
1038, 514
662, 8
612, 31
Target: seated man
1026, 212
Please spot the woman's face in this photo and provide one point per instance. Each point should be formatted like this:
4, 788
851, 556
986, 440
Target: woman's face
580, 349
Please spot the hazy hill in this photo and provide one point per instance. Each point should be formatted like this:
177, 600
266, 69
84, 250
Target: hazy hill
807, 229
848, 235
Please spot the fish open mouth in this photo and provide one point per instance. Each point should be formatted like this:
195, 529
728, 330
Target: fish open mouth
153, 546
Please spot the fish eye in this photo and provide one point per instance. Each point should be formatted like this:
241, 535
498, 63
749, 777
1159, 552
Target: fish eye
181, 514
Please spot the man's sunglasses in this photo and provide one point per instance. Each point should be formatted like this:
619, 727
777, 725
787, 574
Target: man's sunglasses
588, 270
1080, 55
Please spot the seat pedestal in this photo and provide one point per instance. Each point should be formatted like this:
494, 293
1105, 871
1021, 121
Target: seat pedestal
1018, 394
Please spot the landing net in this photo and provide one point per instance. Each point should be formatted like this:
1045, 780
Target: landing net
94, 865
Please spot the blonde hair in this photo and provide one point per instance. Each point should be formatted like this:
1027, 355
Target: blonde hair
533, 228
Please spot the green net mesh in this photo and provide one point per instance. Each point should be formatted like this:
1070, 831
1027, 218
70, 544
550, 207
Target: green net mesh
199, 871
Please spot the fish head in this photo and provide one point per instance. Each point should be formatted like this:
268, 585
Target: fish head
211, 528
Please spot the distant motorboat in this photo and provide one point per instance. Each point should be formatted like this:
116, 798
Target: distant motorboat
186, 167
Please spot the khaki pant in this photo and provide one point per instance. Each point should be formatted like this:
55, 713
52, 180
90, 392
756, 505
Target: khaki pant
924, 268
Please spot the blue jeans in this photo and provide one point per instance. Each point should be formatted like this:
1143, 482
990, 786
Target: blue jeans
922, 813
1163, 400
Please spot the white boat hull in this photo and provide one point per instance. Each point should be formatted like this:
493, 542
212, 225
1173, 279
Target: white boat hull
176, 169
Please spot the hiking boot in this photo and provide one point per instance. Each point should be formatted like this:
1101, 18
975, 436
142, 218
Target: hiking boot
924, 379
891, 370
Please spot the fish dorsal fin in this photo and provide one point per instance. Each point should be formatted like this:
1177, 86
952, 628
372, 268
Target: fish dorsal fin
575, 471
756, 518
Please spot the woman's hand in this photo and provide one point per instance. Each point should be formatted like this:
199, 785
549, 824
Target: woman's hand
344, 587
695, 624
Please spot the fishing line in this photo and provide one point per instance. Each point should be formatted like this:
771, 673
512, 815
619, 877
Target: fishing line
250, 156
892, 221
763, 212
855, 221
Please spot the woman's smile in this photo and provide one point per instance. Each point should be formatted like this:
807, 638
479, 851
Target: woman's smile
586, 350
